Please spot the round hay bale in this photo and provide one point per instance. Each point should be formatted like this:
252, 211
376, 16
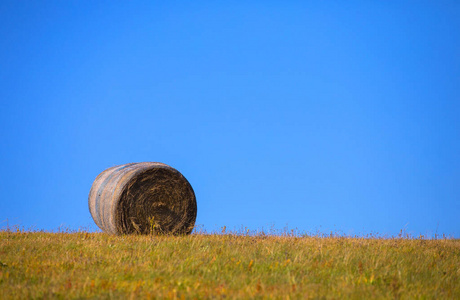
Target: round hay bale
147, 197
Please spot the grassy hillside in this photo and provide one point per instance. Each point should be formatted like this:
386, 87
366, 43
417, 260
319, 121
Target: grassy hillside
96, 265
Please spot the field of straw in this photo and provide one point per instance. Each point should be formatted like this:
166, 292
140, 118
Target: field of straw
225, 265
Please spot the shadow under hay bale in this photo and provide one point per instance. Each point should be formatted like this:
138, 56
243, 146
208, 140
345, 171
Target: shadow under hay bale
143, 198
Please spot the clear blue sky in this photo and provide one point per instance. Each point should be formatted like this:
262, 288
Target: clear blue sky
329, 115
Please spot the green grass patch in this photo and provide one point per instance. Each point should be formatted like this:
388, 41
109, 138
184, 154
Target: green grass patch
97, 265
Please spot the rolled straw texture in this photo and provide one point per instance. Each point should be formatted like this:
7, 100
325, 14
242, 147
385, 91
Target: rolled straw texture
142, 198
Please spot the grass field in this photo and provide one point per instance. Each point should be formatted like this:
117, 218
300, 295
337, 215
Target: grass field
96, 265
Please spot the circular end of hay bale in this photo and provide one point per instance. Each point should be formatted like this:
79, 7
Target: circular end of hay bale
143, 198
157, 200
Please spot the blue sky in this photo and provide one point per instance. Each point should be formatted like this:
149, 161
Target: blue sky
325, 115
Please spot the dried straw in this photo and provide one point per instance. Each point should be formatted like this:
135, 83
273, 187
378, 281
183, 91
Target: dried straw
143, 198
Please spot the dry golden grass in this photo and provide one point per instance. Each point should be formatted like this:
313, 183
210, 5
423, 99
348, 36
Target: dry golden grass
97, 265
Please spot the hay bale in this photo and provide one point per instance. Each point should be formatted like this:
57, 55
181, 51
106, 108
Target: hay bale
147, 197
